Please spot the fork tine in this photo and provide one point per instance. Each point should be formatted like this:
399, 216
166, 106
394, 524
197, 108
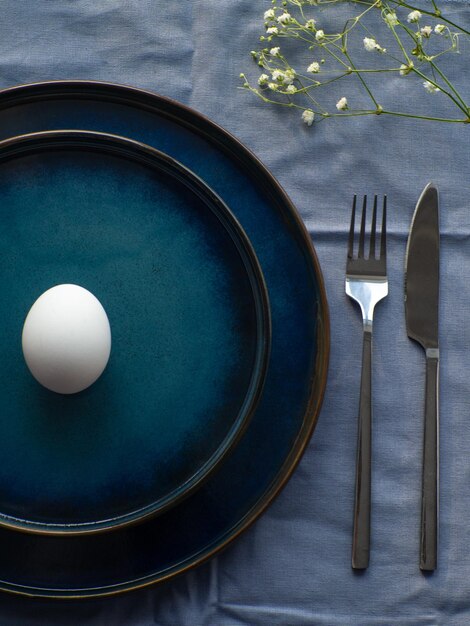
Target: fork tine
383, 239
351, 229
362, 234
372, 230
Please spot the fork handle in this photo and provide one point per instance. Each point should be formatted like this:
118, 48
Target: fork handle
361, 531
430, 490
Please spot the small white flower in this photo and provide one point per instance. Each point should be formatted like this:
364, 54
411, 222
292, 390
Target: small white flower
269, 14
406, 69
319, 35
314, 67
284, 19
430, 88
413, 16
274, 52
272, 30
426, 31
278, 76
439, 28
291, 89
391, 19
284, 77
370, 44
289, 76
308, 116
273, 86
342, 104
310, 24
263, 79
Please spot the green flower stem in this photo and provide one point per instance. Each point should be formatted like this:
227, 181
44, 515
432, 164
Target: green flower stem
463, 108
269, 100
336, 57
366, 87
427, 117
401, 46
319, 108
378, 71
354, 113
268, 65
330, 80
439, 54
309, 95
297, 4
289, 33
450, 85
301, 9
417, 42
354, 21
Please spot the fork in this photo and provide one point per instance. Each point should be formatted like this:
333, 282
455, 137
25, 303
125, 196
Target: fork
367, 284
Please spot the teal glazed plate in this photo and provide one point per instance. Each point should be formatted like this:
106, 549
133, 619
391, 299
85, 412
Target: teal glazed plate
190, 327
248, 479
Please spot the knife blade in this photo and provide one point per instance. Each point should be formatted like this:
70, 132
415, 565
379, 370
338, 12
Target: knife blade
422, 322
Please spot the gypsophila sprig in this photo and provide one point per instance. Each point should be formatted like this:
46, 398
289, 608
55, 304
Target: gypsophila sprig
389, 37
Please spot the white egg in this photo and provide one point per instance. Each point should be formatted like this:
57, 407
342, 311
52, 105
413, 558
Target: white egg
66, 339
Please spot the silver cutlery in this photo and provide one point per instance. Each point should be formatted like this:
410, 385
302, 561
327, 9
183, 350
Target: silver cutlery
367, 284
422, 316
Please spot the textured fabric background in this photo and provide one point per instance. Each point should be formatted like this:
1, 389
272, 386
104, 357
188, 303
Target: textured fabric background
292, 568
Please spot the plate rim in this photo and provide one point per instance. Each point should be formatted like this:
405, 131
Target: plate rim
222, 138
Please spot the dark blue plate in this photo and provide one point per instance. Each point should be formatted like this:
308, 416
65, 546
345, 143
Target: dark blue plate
190, 326
251, 476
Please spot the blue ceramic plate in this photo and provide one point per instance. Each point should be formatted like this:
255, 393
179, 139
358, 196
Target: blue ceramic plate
265, 457
189, 318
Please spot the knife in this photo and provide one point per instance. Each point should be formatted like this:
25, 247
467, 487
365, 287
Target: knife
422, 317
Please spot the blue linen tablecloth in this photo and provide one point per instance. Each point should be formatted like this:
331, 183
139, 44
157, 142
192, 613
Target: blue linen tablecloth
292, 567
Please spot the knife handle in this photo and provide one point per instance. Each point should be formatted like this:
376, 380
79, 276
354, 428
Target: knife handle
361, 530
430, 491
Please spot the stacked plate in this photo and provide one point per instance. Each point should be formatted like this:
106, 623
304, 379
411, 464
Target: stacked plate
219, 338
